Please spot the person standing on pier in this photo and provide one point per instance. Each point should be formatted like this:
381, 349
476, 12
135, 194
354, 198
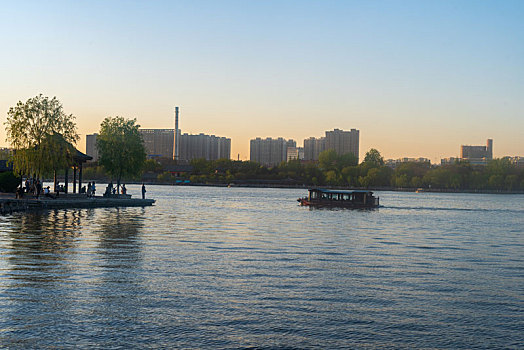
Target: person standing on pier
38, 188
143, 191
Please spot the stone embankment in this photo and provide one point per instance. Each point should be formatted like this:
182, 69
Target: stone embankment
8, 204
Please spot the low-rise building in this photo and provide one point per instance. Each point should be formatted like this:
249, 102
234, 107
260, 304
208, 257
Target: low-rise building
448, 161
393, 163
295, 153
518, 161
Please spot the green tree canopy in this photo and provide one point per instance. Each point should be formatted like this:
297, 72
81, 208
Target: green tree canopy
374, 158
41, 135
328, 159
120, 147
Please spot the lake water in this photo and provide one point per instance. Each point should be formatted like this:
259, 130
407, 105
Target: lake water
237, 267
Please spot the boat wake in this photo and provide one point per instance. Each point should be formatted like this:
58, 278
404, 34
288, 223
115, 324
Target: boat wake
486, 210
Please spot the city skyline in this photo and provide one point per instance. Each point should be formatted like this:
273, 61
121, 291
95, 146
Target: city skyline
418, 79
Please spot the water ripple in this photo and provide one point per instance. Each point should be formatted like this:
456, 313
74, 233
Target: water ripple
237, 268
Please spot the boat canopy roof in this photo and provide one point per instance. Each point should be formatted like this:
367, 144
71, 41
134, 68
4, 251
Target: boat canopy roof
323, 190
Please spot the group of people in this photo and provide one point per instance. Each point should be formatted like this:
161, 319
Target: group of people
91, 189
111, 190
35, 187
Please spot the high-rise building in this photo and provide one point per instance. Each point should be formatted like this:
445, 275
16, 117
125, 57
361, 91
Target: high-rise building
168, 143
313, 147
186, 147
269, 151
343, 141
209, 147
158, 142
477, 152
91, 149
338, 140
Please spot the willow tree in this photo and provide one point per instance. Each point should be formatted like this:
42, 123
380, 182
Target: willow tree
41, 135
121, 149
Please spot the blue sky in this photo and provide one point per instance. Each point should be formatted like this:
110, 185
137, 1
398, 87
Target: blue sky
417, 78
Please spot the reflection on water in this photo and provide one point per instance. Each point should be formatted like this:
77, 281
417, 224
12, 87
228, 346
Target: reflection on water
50, 259
38, 242
230, 268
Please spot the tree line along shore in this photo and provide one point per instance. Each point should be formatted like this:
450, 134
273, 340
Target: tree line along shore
42, 138
332, 170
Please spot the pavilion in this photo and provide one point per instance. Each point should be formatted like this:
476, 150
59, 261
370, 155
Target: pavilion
79, 158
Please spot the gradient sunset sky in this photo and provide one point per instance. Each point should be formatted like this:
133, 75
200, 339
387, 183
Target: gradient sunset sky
417, 78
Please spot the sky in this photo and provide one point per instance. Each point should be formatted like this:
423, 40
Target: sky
417, 78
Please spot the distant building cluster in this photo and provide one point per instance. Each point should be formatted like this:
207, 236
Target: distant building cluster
209, 147
270, 151
162, 143
159, 143
338, 140
475, 155
172, 144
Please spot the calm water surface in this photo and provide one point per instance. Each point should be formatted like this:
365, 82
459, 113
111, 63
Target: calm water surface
236, 268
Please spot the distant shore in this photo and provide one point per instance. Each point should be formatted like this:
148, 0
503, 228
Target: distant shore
296, 186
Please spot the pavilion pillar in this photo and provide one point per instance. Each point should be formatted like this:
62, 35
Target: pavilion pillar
80, 178
74, 179
66, 180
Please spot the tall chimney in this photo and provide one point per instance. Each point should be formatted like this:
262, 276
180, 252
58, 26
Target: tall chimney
176, 141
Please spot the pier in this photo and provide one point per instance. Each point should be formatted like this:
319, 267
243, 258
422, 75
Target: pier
9, 204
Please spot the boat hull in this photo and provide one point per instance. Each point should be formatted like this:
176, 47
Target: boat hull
335, 204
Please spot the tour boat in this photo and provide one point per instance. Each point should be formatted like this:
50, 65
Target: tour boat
319, 197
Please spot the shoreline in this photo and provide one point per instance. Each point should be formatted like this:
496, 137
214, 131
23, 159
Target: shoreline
288, 186
9, 205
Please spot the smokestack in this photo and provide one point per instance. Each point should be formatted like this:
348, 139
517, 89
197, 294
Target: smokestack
176, 141
489, 148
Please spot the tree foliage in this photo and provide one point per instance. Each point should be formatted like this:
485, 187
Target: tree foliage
41, 135
342, 171
498, 175
8, 181
121, 148
373, 158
